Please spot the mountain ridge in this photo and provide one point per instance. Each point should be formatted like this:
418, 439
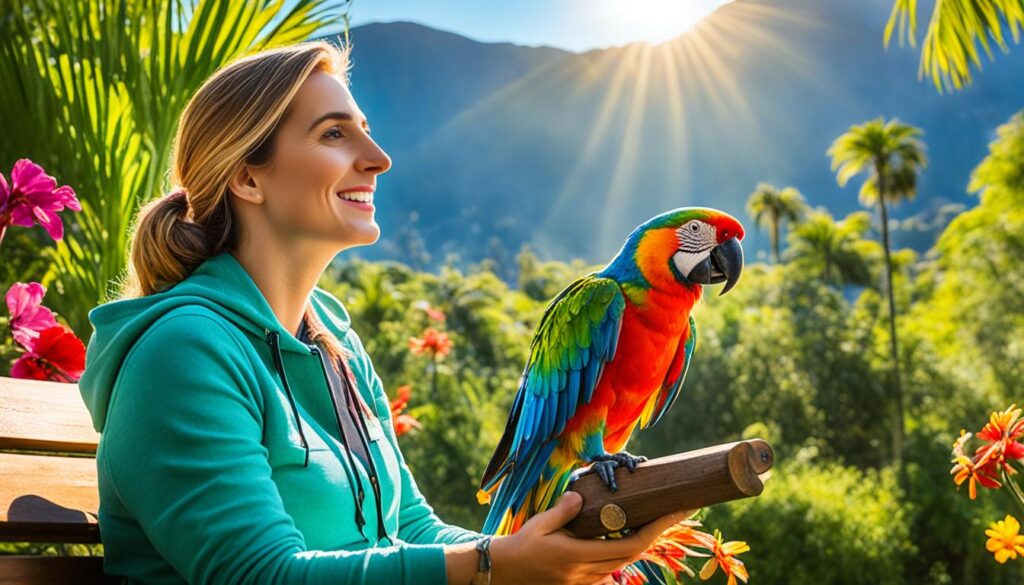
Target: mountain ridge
496, 144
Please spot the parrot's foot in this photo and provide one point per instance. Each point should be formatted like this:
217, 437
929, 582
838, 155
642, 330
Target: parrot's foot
604, 466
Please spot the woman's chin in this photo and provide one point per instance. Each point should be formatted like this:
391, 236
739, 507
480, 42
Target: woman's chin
363, 235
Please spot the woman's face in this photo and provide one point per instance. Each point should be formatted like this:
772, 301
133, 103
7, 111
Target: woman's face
320, 181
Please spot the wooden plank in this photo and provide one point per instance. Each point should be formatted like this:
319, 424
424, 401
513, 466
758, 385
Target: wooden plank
48, 499
686, 481
44, 416
54, 571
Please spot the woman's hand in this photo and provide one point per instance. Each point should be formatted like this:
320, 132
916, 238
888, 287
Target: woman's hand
541, 552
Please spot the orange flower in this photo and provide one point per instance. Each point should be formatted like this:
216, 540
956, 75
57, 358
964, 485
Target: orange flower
1001, 432
403, 422
1006, 425
1005, 539
669, 550
434, 342
980, 469
725, 557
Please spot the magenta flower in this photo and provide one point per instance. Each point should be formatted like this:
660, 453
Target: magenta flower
28, 316
33, 196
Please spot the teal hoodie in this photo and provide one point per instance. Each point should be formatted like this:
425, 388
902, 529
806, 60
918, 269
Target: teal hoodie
219, 458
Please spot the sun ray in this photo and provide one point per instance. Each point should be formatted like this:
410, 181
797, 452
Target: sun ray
620, 192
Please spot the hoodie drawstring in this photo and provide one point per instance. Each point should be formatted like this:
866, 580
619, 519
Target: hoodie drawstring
273, 339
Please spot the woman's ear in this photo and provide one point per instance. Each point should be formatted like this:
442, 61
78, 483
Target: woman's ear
243, 185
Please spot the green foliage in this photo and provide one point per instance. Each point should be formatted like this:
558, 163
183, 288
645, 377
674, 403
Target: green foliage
834, 250
974, 317
93, 92
819, 522
957, 32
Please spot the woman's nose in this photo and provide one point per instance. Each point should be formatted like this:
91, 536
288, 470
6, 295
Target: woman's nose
374, 159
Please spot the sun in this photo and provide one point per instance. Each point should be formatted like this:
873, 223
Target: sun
651, 21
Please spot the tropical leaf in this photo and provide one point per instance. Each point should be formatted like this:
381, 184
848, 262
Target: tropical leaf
93, 92
957, 32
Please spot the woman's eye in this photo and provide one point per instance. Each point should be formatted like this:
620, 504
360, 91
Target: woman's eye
334, 133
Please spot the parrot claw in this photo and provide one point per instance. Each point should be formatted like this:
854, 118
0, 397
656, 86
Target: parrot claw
604, 466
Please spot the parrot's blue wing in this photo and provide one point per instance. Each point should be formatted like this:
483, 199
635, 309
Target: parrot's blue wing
575, 338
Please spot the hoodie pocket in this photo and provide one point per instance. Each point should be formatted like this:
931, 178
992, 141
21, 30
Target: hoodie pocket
282, 436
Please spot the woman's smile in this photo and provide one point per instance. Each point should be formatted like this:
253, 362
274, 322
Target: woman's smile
360, 200
359, 197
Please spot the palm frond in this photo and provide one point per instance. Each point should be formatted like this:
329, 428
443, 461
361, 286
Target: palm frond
957, 33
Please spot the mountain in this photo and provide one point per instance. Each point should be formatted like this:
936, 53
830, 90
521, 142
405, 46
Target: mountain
496, 144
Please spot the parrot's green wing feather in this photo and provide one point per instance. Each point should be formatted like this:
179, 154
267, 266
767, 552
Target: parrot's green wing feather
576, 336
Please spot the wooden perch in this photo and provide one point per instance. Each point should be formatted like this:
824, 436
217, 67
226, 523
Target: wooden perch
685, 481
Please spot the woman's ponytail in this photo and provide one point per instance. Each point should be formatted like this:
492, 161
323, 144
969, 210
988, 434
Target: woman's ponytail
167, 244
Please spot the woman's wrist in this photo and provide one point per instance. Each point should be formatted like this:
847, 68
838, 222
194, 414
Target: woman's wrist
460, 562
463, 560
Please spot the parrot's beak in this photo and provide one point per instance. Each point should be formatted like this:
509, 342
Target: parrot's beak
723, 265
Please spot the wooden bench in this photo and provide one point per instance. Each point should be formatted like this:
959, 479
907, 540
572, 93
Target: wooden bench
48, 485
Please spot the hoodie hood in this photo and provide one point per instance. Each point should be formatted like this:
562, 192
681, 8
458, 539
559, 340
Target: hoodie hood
220, 284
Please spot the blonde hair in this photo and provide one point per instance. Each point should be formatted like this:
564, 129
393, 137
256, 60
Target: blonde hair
230, 121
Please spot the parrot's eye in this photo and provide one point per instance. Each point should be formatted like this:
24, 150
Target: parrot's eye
694, 227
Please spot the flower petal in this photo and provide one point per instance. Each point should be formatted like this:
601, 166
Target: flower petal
30, 178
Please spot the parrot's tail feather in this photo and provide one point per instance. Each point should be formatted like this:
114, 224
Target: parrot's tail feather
515, 493
516, 502
484, 496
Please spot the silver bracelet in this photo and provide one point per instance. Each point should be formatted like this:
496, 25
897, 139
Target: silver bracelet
483, 570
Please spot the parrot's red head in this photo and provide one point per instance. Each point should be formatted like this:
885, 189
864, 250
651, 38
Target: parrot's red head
689, 246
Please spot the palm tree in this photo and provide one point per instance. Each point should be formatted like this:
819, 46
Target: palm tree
820, 244
92, 92
956, 30
768, 205
891, 154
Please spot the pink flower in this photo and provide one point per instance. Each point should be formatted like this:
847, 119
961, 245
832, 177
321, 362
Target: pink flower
33, 196
56, 355
28, 317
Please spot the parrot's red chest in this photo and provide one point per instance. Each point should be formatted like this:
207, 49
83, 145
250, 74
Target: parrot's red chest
648, 341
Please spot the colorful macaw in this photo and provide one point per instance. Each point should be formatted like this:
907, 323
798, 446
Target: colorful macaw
610, 352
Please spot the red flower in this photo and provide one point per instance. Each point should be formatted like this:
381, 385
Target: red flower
1001, 434
33, 196
55, 355
403, 422
1003, 426
434, 342
28, 317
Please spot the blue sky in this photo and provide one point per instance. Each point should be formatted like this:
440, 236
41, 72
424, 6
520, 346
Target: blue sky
576, 25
